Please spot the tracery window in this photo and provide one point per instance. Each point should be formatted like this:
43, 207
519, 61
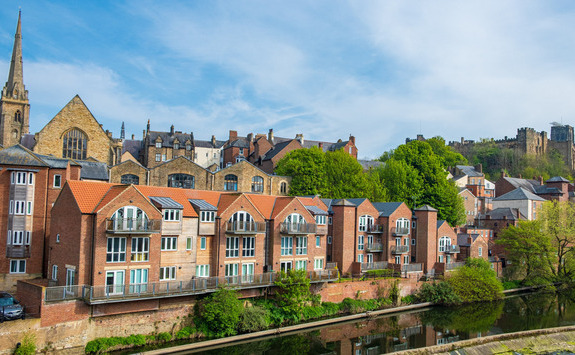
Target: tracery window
185, 181
75, 144
130, 179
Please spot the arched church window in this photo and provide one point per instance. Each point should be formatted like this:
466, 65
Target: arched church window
18, 116
75, 144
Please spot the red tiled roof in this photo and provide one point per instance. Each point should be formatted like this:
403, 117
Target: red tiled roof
281, 204
264, 203
88, 193
110, 195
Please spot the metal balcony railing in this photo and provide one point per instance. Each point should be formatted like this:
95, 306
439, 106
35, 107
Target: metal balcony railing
374, 247
245, 227
412, 268
378, 265
451, 249
330, 266
371, 228
454, 265
133, 225
398, 231
399, 249
297, 228
17, 251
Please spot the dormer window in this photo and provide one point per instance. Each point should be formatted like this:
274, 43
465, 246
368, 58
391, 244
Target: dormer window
320, 219
159, 144
176, 145
207, 216
171, 215
188, 147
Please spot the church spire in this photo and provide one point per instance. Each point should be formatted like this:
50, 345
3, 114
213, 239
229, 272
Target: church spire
123, 132
14, 87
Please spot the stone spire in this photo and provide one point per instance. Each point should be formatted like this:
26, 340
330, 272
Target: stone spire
123, 132
14, 87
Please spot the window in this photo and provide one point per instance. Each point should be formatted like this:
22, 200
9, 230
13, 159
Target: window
58, 238
360, 258
171, 215
75, 145
249, 246
70, 280
207, 216
181, 180
17, 238
17, 266
360, 242
18, 116
189, 243
369, 258
301, 247
329, 239
406, 259
167, 273
231, 183
402, 226
176, 145
301, 264
188, 146
19, 178
158, 157
441, 258
203, 243
54, 272
164, 158
138, 280
159, 144
480, 251
140, 249
283, 188
241, 221
232, 247
116, 251
365, 222
257, 184
287, 246
57, 180
329, 220
444, 244
129, 218
320, 219
413, 241
397, 259
203, 270
317, 241
29, 207
130, 179
318, 264
169, 243
17, 207
248, 272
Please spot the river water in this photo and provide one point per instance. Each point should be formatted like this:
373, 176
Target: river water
417, 329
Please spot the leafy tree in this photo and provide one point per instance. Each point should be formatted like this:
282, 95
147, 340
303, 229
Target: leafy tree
220, 312
448, 156
293, 292
529, 251
253, 319
307, 169
476, 282
438, 293
558, 223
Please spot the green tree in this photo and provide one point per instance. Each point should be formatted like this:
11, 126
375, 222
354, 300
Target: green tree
558, 223
475, 282
307, 169
448, 156
220, 312
293, 292
529, 251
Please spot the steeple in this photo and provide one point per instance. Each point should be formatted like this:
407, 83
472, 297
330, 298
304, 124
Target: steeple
123, 132
14, 87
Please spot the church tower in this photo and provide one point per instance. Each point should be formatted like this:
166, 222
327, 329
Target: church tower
14, 105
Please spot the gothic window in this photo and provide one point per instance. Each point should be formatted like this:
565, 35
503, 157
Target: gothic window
181, 180
130, 179
257, 184
283, 188
231, 183
75, 144
18, 116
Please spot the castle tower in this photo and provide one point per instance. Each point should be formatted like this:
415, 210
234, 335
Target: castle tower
14, 105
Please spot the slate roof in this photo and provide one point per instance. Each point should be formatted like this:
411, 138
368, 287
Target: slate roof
469, 170
168, 138
369, 164
316, 211
92, 170
275, 150
545, 190
133, 147
524, 183
500, 213
327, 146
426, 208
386, 208
518, 194
238, 143
440, 222
202, 205
19, 155
208, 144
557, 179
166, 202
463, 239
28, 141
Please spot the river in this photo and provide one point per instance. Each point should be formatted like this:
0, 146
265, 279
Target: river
417, 329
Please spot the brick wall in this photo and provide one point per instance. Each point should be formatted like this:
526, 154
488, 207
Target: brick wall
337, 292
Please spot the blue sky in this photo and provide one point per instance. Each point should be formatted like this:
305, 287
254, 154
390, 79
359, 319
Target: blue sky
380, 70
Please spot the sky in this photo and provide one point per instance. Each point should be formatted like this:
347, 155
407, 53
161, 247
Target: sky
381, 71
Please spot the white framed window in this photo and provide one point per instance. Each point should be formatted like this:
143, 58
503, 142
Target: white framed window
301, 247
116, 250
318, 241
203, 270
360, 244
301, 264
58, 238
189, 244
140, 249
176, 145
19, 178
31, 179
54, 272
329, 239
70, 280
207, 216
444, 244
18, 266
167, 273
169, 243
248, 246
287, 246
203, 243
441, 258
17, 207
17, 238
412, 241
320, 219
397, 259
158, 144
57, 180
138, 280
406, 259
164, 158
232, 269
171, 215
402, 226
318, 264
360, 258
364, 222
480, 251
28, 207
369, 258
232, 247
158, 157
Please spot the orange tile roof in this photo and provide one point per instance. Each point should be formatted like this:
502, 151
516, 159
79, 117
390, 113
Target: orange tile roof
225, 201
110, 195
181, 196
313, 201
88, 193
281, 204
264, 203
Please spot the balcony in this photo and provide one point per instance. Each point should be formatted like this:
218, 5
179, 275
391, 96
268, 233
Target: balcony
17, 251
412, 268
399, 231
378, 265
451, 249
372, 228
454, 265
245, 227
298, 228
133, 225
400, 249
374, 247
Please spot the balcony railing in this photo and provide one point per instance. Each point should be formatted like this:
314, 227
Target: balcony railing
454, 265
17, 251
330, 266
398, 231
399, 249
245, 227
133, 225
372, 228
297, 228
452, 249
412, 268
199, 285
378, 265
373, 247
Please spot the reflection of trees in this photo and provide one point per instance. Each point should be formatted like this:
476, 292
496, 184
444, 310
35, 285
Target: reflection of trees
475, 317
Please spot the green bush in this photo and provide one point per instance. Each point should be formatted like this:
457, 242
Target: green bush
136, 340
409, 299
253, 319
379, 273
511, 284
219, 314
476, 282
437, 293
27, 345
185, 333
165, 337
292, 293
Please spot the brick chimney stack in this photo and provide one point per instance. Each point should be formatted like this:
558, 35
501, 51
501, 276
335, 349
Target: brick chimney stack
271, 136
352, 139
233, 134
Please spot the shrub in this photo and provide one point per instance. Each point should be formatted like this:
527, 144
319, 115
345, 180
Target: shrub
293, 292
437, 293
164, 336
27, 345
220, 313
476, 282
185, 332
253, 319
409, 299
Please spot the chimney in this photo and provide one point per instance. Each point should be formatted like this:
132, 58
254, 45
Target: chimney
213, 140
133, 137
233, 134
143, 134
299, 137
352, 139
479, 168
462, 140
518, 213
271, 136
148, 126
540, 180
172, 130
250, 137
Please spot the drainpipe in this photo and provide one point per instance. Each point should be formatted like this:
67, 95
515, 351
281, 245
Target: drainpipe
48, 214
93, 256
